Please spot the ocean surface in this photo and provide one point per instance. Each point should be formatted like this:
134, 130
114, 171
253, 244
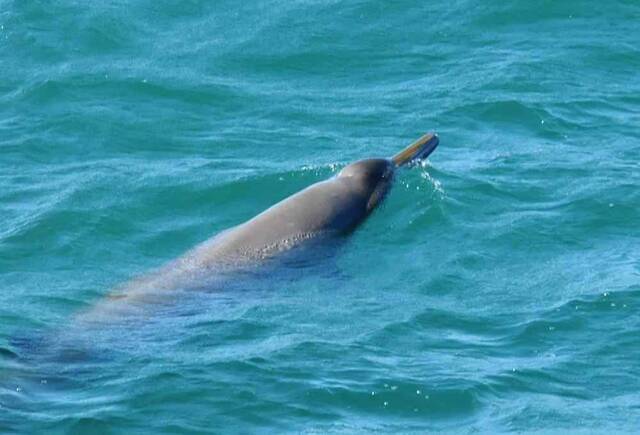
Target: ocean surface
496, 290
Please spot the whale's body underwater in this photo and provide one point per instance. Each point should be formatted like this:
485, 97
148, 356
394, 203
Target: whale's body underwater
329, 208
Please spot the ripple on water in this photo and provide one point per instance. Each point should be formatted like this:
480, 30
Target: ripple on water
496, 290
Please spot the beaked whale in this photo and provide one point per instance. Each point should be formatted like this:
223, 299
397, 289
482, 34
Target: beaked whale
328, 208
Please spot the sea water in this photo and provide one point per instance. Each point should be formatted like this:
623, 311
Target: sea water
497, 289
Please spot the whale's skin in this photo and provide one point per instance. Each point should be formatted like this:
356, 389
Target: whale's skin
333, 207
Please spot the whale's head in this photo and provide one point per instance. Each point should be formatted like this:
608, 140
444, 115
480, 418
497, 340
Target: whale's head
370, 179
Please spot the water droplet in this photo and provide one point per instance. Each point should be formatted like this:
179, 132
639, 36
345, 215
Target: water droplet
386, 403
417, 391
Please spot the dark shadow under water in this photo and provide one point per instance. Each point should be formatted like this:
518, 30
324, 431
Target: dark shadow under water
39, 367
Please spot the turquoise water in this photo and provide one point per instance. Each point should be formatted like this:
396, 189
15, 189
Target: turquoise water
498, 288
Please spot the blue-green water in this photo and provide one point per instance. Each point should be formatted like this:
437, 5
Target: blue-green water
498, 289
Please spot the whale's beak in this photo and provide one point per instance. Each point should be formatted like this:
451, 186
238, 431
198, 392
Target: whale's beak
418, 150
